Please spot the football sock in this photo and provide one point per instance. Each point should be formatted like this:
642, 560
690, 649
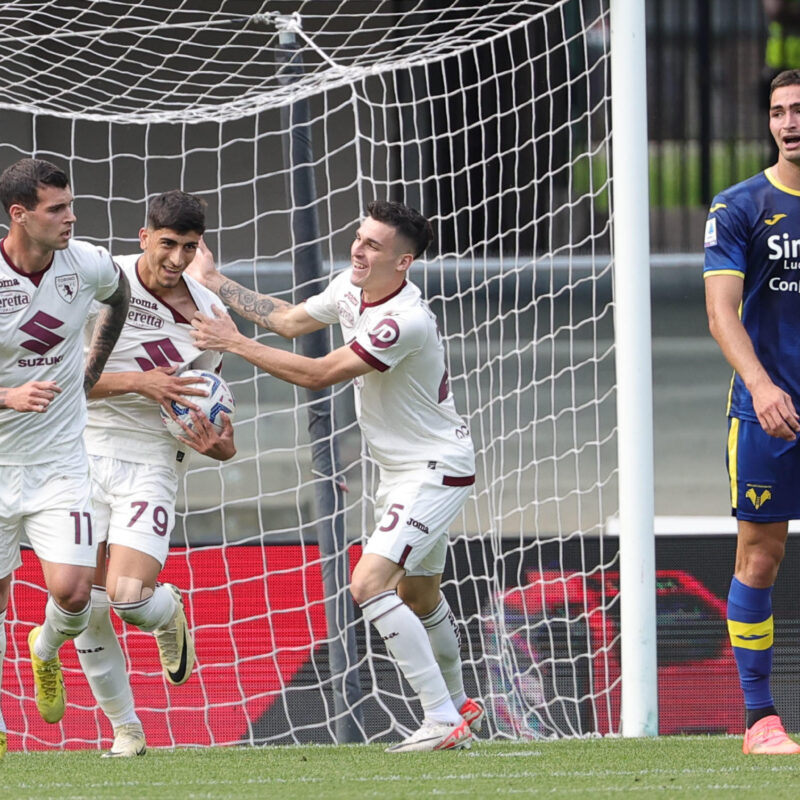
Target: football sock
750, 627
103, 663
2, 659
755, 714
406, 641
58, 626
151, 613
445, 639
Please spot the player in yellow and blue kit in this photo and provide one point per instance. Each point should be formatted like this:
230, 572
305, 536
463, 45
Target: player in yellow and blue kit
752, 272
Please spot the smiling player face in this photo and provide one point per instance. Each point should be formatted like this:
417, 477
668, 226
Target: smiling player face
380, 258
166, 256
784, 122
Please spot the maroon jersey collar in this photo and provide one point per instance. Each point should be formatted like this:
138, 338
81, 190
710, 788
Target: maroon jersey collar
364, 304
34, 277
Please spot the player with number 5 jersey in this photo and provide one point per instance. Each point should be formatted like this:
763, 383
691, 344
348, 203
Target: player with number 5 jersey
404, 404
136, 462
395, 357
47, 284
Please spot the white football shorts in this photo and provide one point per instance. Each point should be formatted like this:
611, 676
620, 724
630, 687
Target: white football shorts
413, 512
51, 504
134, 504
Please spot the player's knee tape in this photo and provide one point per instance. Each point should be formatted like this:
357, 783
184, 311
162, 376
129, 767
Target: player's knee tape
67, 623
130, 590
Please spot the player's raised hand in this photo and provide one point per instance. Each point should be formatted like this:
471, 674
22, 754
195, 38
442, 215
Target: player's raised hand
202, 267
163, 385
31, 396
215, 333
775, 411
204, 438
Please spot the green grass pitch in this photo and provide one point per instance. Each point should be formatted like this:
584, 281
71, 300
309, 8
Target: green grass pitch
670, 767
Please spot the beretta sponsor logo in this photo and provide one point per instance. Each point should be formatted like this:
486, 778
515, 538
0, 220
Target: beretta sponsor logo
13, 300
144, 319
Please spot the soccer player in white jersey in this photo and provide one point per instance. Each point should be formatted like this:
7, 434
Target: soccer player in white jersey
395, 357
136, 462
47, 284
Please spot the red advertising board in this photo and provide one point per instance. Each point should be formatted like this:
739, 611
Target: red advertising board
226, 604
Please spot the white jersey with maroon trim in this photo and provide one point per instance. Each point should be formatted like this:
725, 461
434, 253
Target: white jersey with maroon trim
41, 327
405, 407
129, 425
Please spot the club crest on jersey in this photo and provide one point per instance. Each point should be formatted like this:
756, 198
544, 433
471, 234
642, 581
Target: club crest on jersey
67, 286
756, 497
385, 333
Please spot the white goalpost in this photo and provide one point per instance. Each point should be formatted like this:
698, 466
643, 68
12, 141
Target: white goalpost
288, 117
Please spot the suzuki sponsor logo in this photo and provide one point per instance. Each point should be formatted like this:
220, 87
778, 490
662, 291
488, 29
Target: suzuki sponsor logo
41, 361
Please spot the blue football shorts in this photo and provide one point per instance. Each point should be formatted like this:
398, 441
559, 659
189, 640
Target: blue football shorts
764, 473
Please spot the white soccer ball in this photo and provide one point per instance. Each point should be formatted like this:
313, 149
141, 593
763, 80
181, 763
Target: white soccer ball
219, 399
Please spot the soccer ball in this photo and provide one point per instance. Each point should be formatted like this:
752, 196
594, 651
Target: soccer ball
220, 398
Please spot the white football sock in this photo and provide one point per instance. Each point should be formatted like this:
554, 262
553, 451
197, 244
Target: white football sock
153, 612
2, 659
445, 639
58, 626
408, 644
104, 665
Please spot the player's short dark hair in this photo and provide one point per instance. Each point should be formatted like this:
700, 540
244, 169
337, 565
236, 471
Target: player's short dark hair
19, 183
789, 77
178, 211
406, 220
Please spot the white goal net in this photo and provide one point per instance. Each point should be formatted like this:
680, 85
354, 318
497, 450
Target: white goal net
288, 117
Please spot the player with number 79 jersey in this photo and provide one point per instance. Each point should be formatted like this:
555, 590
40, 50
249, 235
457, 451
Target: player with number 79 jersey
136, 462
155, 336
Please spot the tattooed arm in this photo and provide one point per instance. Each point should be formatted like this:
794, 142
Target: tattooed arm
269, 312
106, 332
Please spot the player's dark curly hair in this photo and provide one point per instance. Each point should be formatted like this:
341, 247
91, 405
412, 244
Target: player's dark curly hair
408, 222
19, 183
789, 77
178, 211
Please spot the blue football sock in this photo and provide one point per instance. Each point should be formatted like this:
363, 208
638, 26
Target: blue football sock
750, 627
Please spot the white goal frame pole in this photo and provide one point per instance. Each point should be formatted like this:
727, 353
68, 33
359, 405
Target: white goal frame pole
630, 199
